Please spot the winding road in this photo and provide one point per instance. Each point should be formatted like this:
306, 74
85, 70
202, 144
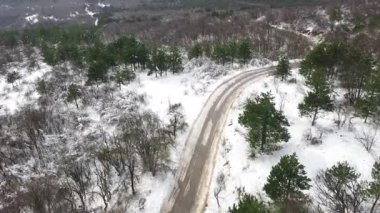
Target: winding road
193, 178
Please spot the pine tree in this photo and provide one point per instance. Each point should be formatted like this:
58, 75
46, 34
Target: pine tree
42, 87
97, 72
221, 53
196, 51
374, 187
283, 68
266, 125
244, 52
286, 183
318, 99
249, 204
159, 61
123, 76
12, 77
340, 189
175, 60
367, 106
73, 94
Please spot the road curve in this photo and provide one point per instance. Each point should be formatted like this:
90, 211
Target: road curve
194, 175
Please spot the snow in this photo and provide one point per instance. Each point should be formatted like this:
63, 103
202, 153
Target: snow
22, 92
251, 173
51, 18
102, 5
190, 87
89, 12
32, 19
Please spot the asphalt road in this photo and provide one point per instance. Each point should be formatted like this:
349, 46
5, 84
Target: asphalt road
194, 176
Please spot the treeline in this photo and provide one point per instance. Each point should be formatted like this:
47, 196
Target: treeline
340, 188
222, 52
84, 49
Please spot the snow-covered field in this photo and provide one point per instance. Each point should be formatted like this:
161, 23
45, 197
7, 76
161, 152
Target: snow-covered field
338, 144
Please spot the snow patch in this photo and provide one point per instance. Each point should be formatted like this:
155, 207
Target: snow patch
32, 19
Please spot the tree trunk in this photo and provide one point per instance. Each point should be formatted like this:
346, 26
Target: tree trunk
132, 178
314, 116
374, 204
76, 102
263, 136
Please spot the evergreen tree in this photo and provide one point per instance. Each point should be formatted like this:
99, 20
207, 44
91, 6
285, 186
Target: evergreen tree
73, 94
266, 125
367, 106
317, 99
42, 87
283, 68
221, 53
286, 183
12, 77
97, 72
50, 54
339, 188
175, 60
374, 187
123, 76
249, 204
196, 51
159, 61
244, 52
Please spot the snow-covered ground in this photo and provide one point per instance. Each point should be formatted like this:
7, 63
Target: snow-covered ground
338, 144
191, 88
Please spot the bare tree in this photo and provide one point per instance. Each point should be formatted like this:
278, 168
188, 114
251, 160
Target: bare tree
150, 138
367, 137
125, 157
221, 185
176, 119
78, 180
103, 181
42, 195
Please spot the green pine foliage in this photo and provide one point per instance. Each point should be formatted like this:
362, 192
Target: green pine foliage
124, 76
249, 204
266, 125
175, 60
368, 105
97, 73
244, 51
286, 182
374, 187
318, 98
73, 94
196, 51
340, 188
283, 68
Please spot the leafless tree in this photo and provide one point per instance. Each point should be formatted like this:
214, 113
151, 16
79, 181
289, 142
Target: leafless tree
103, 181
221, 185
42, 195
367, 137
124, 156
176, 119
32, 123
342, 115
78, 179
150, 138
